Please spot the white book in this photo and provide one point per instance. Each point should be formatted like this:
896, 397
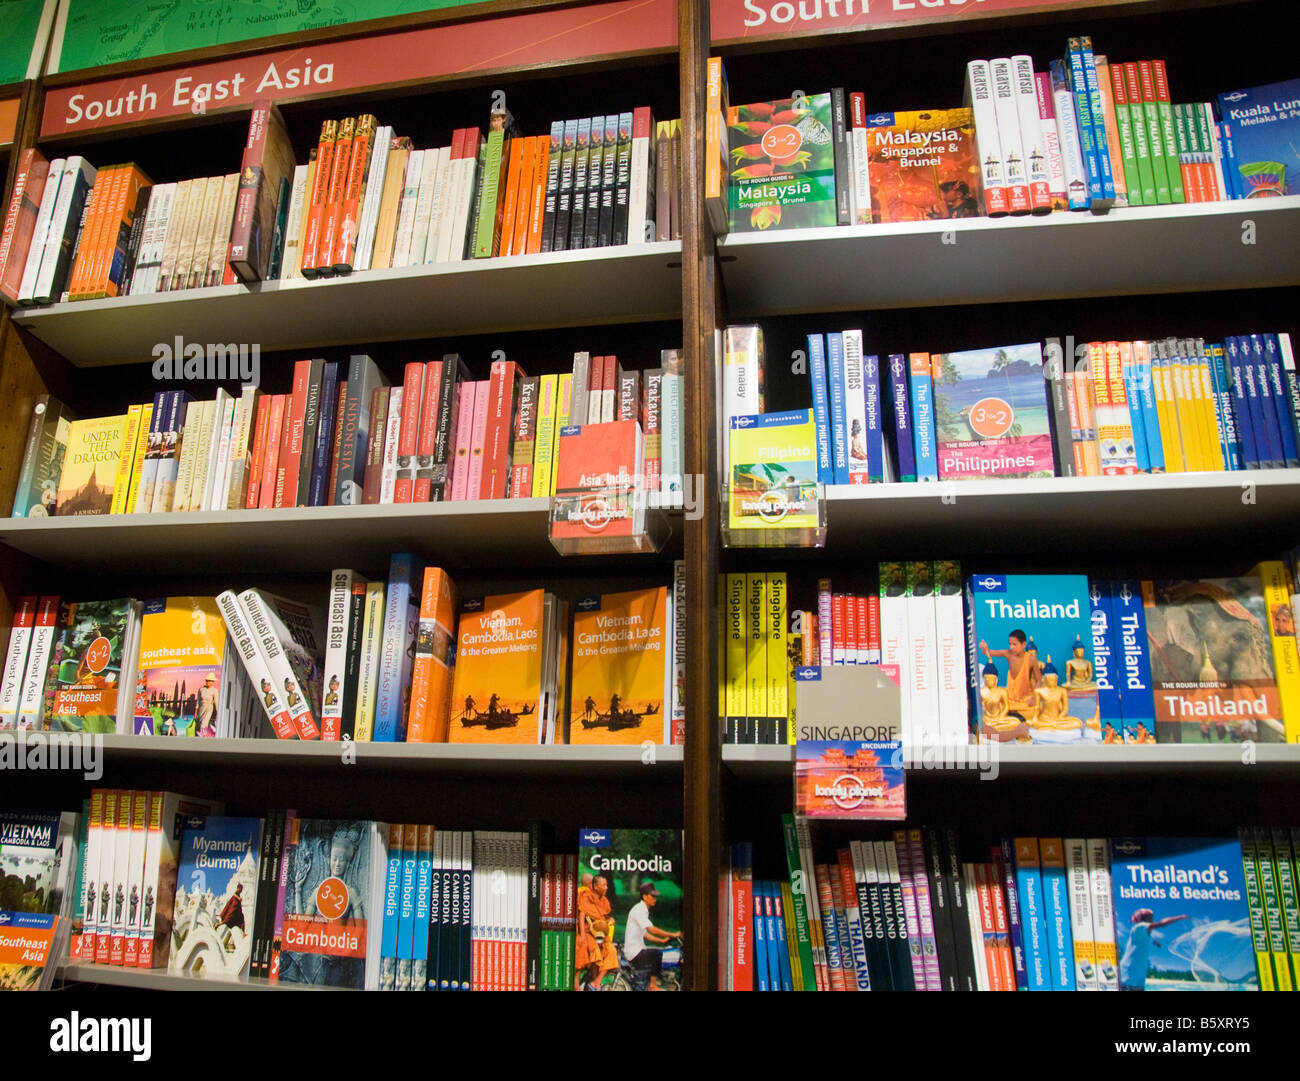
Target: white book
121, 876
451, 202
41, 232
149, 257
90, 875
291, 262
920, 672
218, 483
220, 249
62, 231
442, 185
424, 206
31, 698
971, 883
1031, 134
133, 927
469, 170
388, 473
1103, 913
979, 99
236, 484
338, 617
1013, 151
370, 201
1081, 925
894, 644
639, 188
130, 669
375, 899
184, 258
273, 639
407, 208
202, 496
859, 173
189, 447
103, 925
11, 680
950, 625
269, 697
855, 406
171, 240
1216, 147
202, 455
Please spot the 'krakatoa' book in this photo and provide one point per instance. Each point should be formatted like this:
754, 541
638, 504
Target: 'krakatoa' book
1265, 139
92, 660
1182, 920
90, 464
620, 665
497, 688
782, 164
991, 413
1212, 675
1029, 656
773, 470
216, 897
923, 166
630, 910
333, 903
182, 647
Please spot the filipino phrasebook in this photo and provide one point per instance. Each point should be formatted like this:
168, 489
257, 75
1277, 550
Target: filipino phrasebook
782, 164
773, 470
182, 653
991, 413
923, 166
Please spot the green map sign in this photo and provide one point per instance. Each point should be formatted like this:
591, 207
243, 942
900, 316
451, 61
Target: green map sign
98, 33
19, 20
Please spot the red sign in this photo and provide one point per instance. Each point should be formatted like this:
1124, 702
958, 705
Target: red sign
327, 69
739, 20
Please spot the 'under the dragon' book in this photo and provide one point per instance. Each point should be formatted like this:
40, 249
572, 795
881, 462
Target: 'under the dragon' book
992, 414
182, 646
630, 910
216, 897
1182, 921
1212, 673
1029, 649
620, 661
923, 166
782, 164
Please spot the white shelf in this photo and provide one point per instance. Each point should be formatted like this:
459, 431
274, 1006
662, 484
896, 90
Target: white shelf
625, 284
443, 759
469, 533
145, 979
1132, 250
1259, 507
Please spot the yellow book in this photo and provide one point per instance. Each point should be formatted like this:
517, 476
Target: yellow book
563, 403
720, 598
90, 463
137, 457
778, 657
791, 936
1255, 906
1213, 448
497, 690
737, 640
1196, 402
1281, 632
126, 463
1274, 921
1161, 390
372, 633
620, 653
544, 447
1181, 394
182, 647
390, 204
756, 650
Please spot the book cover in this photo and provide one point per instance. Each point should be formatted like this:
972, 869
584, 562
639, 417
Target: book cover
924, 165
620, 655
182, 650
1181, 917
773, 471
90, 466
782, 164
1265, 133
216, 897
597, 476
492, 701
87, 663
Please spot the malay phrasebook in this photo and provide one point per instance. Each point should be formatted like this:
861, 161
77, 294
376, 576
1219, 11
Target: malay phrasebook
782, 164
630, 910
1029, 656
923, 166
773, 470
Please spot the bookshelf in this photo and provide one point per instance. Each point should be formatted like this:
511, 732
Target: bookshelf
996, 272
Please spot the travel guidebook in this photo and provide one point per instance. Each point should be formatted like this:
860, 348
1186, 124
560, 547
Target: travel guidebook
216, 896
1264, 137
182, 646
773, 467
923, 166
1182, 918
28, 853
1029, 655
630, 910
497, 685
782, 164
89, 661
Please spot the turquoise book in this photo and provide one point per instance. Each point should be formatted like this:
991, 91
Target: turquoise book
1030, 658
1182, 921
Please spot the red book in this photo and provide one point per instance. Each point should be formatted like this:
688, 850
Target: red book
426, 446
268, 158
592, 462
1001, 928
651, 423
742, 931
332, 215
503, 391
839, 605
850, 629
414, 389
525, 438
338, 441
873, 628
261, 422
828, 894
474, 487
274, 441
345, 244
372, 482
991, 963
286, 481
609, 389
20, 221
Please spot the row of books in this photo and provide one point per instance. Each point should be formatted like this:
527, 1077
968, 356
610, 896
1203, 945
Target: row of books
344, 436
1085, 134
1030, 658
401, 660
911, 912
366, 199
1016, 411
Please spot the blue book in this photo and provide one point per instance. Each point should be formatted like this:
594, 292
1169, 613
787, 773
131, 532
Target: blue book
217, 878
1230, 161
1134, 666
1137, 419
875, 419
1146, 399
782, 937
396, 654
1105, 658
1290, 380
1250, 455
821, 407
392, 912
406, 910
1266, 138
1077, 79
1098, 121
1281, 399
1224, 410
901, 414
423, 899
762, 978
321, 452
775, 946
839, 412
1056, 911
1007, 866
1268, 411
1182, 920
1033, 921
923, 433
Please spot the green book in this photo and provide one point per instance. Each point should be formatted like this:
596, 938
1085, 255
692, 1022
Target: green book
1141, 137
491, 190
799, 891
1283, 863
1254, 901
1155, 133
1127, 137
1166, 111
1272, 909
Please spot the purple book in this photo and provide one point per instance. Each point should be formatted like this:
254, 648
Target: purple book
901, 412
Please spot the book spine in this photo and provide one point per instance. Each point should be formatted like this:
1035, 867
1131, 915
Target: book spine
259, 673
503, 394
336, 653
1164, 110
318, 197
344, 249
1013, 152
1255, 905
414, 397
20, 637
979, 99
524, 447
835, 365
1097, 117
1004, 865
623, 180
922, 397
843, 170
1033, 142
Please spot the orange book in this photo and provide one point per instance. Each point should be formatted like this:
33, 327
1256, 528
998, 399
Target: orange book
1083, 393
318, 197
431, 672
257, 459
345, 247
620, 649
118, 233
497, 690
90, 229
991, 961
332, 213
110, 214
514, 173
537, 213
524, 204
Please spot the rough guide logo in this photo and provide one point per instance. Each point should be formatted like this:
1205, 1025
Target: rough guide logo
179, 359
112, 1035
